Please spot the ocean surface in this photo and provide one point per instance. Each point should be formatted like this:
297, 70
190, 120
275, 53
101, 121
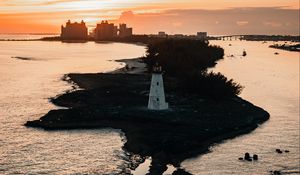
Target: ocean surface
28, 81
25, 89
24, 36
271, 82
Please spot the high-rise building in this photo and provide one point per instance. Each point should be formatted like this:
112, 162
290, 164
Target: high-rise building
124, 31
74, 31
105, 30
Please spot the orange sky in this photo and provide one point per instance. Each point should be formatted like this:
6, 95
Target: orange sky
150, 16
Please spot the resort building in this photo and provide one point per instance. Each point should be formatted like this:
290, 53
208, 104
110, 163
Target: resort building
74, 31
124, 31
105, 30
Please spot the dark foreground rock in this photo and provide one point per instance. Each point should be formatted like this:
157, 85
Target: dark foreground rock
119, 101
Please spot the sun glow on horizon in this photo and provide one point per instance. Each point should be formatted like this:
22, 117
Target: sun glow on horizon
55, 12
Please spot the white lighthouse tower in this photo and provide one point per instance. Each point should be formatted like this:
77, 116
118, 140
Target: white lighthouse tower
157, 94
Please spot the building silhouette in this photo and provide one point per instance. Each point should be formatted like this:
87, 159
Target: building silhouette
74, 31
162, 34
124, 31
202, 36
105, 30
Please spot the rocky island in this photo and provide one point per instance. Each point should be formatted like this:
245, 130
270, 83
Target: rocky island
204, 107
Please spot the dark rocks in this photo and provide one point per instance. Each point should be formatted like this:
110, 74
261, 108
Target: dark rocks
255, 157
181, 172
247, 157
276, 172
279, 151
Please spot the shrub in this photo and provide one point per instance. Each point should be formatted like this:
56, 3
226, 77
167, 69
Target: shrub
210, 84
181, 56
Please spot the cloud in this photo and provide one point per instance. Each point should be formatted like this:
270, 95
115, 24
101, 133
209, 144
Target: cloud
33, 2
242, 23
261, 20
273, 24
267, 20
52, 2
177, 24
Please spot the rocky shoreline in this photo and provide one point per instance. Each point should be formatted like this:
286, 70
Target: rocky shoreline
119, 100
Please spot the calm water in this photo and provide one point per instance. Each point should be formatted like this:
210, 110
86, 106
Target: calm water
26, 85
272, 82
23, 36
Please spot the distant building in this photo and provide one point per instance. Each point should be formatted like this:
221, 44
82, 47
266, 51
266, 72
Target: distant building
105, 30
124, 31
178, 36
162, 34
202, 35
74, 31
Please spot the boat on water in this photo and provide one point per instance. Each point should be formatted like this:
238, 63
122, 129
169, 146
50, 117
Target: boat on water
230, 56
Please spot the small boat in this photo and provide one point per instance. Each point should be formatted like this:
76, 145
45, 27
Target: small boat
232, 56
276, 53
244, 53
230, 45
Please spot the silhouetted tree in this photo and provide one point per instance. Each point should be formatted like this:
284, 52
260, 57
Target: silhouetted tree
210, 84
188, 60
181, 56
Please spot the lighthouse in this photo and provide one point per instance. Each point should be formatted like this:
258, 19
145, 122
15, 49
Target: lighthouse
157, 95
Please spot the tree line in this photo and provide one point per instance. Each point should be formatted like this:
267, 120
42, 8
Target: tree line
188, 60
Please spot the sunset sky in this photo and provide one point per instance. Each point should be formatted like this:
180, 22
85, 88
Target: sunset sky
151, 16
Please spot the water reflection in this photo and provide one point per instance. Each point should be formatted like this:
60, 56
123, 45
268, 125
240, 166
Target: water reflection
25, 87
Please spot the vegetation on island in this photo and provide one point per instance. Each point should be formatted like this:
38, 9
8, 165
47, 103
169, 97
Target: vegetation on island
295, 47
182, 56
188, 61
271, 38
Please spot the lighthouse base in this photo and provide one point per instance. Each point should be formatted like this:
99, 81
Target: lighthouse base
154, 104
157, 95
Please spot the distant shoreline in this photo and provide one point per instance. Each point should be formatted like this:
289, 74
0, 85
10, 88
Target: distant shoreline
135, 39
294, 48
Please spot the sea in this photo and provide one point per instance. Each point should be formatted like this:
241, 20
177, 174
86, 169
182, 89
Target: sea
31, 73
